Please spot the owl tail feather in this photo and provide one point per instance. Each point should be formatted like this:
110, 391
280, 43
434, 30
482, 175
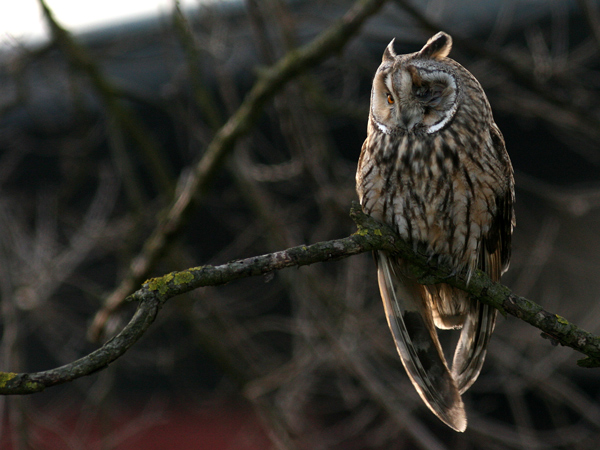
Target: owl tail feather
417, 343
472, 345
477, 330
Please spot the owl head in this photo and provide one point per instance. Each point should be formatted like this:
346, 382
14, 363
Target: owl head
418, 92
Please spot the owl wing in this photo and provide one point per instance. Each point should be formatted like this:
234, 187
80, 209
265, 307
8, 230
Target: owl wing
479, 324
472, 345
417, 343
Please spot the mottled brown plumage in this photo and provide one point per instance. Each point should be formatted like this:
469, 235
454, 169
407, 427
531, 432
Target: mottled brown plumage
434, 166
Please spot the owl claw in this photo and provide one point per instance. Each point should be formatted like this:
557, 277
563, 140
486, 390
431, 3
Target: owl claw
440, 261
452, 274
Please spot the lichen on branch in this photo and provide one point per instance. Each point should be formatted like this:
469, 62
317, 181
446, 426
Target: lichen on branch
371, 236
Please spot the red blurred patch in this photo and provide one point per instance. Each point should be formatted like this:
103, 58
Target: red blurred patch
156, 427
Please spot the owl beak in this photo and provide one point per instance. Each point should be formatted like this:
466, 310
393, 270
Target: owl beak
409, 118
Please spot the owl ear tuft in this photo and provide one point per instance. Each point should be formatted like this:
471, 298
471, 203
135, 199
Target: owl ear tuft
389, 54
437, 47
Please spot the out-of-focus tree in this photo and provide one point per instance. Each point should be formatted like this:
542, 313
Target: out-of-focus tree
130, 153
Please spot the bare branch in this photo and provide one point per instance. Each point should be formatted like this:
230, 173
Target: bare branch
371, 235
578, 117
267, 86
111, 95
593, 18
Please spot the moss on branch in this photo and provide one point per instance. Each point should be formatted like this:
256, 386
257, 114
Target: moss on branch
370, 236
268, 84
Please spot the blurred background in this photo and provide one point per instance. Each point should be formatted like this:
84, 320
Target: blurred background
92, 154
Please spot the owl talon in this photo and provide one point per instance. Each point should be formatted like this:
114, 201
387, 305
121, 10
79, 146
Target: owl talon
450, 275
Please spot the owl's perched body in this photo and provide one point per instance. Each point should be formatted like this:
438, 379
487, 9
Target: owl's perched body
434, 167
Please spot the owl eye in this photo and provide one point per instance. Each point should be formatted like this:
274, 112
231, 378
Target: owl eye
431, 95
390, 99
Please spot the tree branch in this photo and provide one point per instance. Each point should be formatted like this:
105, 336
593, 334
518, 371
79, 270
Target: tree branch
110, 94
523, 73
371, 235
266, 87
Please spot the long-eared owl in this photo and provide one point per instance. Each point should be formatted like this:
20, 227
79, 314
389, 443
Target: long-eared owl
434, 167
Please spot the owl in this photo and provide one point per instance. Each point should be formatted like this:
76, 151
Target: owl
435, 168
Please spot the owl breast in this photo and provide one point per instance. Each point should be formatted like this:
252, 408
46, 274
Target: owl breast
430, 193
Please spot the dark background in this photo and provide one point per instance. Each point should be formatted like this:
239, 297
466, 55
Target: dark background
302, 359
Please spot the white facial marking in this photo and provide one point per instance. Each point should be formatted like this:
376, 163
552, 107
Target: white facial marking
442, 123
382, 127
451, 82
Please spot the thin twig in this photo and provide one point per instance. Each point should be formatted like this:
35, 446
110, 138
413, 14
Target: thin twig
111, 95
266, 87
590, 13
522, 73
371, 235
